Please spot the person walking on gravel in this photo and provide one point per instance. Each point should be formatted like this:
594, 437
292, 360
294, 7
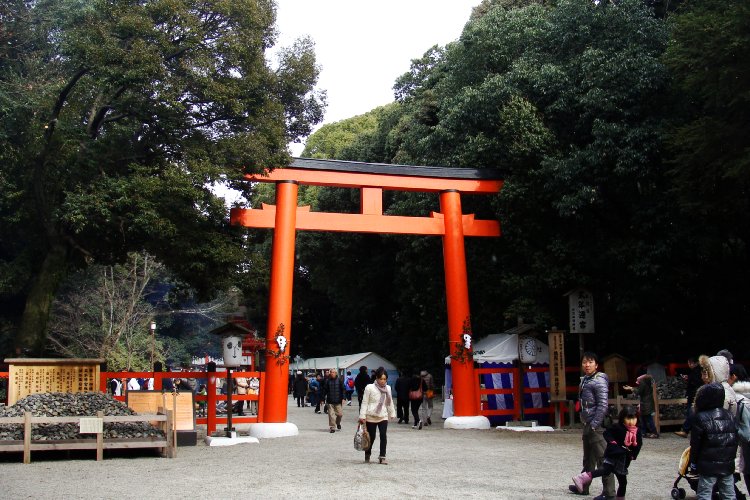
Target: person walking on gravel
360, 382
333, 393
428, 395
377, 408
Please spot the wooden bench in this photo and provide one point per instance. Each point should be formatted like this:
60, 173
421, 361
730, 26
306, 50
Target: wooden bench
27, 445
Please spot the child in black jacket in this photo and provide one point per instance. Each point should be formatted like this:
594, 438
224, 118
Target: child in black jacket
624, 441
713, 443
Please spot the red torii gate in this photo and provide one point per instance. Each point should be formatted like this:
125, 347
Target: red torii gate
371, 179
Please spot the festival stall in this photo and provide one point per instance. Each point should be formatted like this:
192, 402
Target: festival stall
498, 364
346, 362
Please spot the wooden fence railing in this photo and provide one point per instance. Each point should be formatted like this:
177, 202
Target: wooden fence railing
27, 445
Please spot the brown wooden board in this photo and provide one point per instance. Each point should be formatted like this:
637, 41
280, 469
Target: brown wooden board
556, 343
39, 375
151, 401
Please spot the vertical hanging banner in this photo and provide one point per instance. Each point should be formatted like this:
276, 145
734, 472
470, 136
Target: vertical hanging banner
581, 307
556, 342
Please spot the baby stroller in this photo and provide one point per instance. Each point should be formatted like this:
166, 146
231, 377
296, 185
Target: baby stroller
684, 472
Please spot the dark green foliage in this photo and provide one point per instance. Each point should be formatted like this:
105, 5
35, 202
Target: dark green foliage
116, 119
573, 101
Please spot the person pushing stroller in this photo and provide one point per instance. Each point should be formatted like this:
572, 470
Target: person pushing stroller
624, 441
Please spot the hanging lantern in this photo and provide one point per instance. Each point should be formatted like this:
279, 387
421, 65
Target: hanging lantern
232, 346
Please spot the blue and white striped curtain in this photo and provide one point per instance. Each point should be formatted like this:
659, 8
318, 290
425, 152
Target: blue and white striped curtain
505, 381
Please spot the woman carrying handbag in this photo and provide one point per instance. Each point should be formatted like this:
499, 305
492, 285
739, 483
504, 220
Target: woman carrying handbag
377, 408
417, 388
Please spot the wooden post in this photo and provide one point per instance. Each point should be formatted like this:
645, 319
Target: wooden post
261, 400
572, 412
657, 419
171, 450
173, 429
100, 439
280, 300
465, 396
27, 437
211, 404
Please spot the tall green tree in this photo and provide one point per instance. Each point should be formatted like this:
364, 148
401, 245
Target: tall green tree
709, 161
331, 139
115, 120
102, 312
567, 99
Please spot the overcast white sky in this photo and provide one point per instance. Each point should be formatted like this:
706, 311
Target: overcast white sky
362, 46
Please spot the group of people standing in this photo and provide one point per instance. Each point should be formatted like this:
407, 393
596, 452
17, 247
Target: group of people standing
721, 406
712, 425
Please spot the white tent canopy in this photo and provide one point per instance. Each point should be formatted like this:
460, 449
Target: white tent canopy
345, 362
503, 348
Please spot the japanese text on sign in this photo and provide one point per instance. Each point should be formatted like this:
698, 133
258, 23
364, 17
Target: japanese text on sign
556, 366
581, 305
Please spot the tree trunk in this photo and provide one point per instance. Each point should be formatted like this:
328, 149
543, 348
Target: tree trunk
32, 333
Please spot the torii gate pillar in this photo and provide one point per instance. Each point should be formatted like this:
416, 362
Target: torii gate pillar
280, 302
457, 300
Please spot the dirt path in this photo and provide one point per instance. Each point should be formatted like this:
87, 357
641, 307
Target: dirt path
430, 463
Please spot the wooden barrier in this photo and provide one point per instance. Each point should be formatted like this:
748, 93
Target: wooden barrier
27, 445
210, 418
620, 401
515, 390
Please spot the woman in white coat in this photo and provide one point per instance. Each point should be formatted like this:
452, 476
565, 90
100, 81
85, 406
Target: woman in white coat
377, 408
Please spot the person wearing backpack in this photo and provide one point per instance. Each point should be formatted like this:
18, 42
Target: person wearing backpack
348, 387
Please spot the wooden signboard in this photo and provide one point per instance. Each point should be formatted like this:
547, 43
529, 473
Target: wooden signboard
38, 375
556, 342
150, 402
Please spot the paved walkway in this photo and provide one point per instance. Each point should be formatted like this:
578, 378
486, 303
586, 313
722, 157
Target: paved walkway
432, 463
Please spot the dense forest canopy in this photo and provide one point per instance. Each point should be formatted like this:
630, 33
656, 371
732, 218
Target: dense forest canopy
608, 120
620, 128
116, 120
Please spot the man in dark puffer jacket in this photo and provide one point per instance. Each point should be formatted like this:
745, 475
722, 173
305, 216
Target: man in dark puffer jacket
592, 396
713, 443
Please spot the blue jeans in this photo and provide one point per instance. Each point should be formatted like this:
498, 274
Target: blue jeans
725, 487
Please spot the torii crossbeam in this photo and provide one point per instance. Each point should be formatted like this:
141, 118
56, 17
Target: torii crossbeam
371, 179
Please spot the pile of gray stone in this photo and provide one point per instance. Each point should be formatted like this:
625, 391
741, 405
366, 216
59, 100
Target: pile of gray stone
84, 404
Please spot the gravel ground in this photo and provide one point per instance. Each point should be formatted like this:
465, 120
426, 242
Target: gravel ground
432, 463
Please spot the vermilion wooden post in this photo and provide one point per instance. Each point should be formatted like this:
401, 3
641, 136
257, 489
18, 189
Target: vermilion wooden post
211, 403
280, 301
465, 400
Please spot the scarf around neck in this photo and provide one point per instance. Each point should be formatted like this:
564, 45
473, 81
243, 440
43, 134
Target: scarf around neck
631, 436
385, 396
